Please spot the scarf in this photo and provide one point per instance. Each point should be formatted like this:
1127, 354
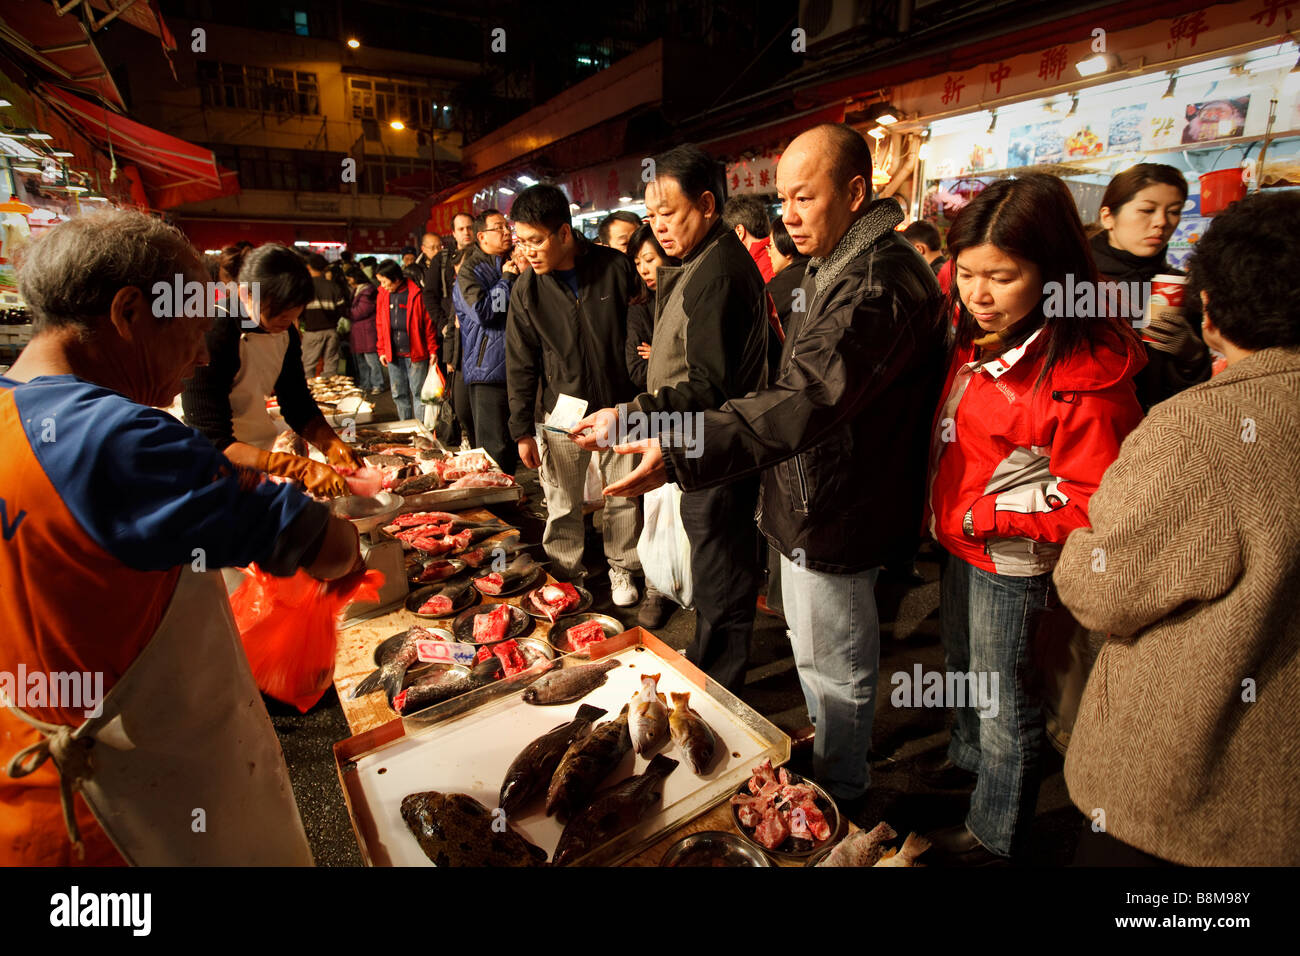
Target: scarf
1118, 265
879, 218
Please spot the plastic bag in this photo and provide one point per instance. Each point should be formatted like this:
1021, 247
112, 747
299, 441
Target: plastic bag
289, 629
593, 488
663, 547
435, 384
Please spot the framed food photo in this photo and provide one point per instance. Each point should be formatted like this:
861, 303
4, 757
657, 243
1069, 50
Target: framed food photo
1216, 119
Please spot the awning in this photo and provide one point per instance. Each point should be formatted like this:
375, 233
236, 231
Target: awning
174, 171
61, 45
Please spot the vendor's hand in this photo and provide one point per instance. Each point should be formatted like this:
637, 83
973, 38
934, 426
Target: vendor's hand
528, 453
596, 431
383, 359
321, 480
340, 455
643, 350
647, 476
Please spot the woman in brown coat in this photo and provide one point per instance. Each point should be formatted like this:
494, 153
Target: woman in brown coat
1187, 744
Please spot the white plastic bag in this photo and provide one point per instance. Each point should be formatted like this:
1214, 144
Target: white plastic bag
593, 488
663, 548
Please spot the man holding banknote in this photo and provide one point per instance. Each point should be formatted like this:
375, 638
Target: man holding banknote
565, 335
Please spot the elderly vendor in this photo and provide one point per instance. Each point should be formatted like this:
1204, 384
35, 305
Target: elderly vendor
116, 518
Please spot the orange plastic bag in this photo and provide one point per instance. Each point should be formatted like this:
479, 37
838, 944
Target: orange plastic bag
289, 629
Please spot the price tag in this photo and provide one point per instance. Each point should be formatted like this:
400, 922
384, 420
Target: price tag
445, 652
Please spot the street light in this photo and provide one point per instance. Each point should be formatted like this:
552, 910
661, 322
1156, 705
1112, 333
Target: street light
397, 125
354, 43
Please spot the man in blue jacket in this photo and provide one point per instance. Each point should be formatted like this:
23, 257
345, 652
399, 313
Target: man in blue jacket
482, 297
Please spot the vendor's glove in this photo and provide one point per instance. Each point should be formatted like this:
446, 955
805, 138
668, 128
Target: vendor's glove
321, 480
1170, 333
340, 455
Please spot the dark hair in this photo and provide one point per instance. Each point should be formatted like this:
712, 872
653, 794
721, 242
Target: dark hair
317, 261
696, 173
481, 220
467, 215
747, 211
850, 154
281, 276
1127, 184
544, 206
345, 255
781, 239
1034, 218
368, 261
619, 215
645, 233
924, 232
1246, 263
390, 270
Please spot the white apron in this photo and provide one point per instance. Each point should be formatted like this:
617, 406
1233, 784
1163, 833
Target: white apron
183, 731
261, 358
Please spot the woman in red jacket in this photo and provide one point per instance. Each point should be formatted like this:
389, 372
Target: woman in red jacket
1039, 395
405, 338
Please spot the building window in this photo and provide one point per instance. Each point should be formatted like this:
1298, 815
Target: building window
387, 100
234, 86
300, 23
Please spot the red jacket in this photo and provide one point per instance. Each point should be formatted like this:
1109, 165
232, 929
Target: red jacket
1026, 461
418, 326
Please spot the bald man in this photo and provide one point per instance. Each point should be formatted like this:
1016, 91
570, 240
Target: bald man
841, 438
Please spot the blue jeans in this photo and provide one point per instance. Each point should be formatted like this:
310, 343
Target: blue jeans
835, 633
407, 378
370, 371
988, 622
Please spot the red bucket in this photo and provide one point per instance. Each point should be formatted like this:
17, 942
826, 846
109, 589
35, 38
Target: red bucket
1220, 189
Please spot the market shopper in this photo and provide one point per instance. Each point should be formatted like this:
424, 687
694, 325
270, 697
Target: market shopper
254, 351
101, 578
320, 321
1140, 210
566, 335
1034, 409
647, 257
1187, 731
747, 217
404, 338
462, 227
925, 238
616, 229
710, 337
363, 336
482, 297
859, 375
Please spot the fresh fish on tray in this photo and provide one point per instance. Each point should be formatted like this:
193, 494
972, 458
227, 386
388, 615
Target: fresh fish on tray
585, 764
531, 771
569, 684
393, 665
647, 721
694, 738
444, 685
454, 829
485, 479
613, 811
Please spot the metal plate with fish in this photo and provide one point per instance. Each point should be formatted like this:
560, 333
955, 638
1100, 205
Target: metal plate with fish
526, 583
714, 848
448, 568
463, 626
558, 635
467, 598
368, 513
584, 602
384, 646
794, 848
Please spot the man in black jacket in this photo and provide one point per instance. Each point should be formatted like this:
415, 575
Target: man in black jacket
710, 345
841, 437
565, 333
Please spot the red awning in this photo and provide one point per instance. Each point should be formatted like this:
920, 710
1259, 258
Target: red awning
174, 171
61, 45
140, 14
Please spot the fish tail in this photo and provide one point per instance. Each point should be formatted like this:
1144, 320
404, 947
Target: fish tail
392, 679
369, 684
660, 766
914, 846
590, 712
681, 699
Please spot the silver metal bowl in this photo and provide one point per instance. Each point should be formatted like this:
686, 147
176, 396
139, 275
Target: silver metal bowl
584, 602
558, 634
368, 513
714, 848
824, 803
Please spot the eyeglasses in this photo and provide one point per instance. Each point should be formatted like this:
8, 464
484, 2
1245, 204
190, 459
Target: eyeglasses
532, 245
502, 229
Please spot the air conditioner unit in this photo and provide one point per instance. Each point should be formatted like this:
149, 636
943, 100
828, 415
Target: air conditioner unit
826, 20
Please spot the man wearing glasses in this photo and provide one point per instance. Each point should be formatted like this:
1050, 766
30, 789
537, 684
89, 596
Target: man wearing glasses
482, 298
566, 335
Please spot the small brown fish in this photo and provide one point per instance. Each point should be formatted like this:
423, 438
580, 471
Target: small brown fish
647, 721
913, 846
860, 848
569, 684
694, 738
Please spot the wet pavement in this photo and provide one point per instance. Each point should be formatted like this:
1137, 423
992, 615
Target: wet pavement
902, 736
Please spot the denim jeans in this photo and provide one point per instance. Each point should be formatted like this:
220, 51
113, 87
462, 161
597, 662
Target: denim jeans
835, 633
407, 378
988, 622
370, 371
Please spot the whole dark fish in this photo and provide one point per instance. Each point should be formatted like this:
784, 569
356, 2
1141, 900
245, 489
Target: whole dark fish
585, 764
694, 738
454, 829
394, 660
614, 810
419, 485
444, 685
569, 684
531, 771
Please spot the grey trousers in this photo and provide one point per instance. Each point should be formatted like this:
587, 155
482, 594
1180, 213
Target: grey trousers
313, 344
563, 474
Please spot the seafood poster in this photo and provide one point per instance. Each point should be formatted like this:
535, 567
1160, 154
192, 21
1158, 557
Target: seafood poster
1125, 134
1216, 119
1035, 145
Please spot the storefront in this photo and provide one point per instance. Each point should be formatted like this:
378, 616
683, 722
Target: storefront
1214, 93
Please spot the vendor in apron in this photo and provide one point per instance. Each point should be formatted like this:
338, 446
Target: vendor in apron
131, 729
255, 352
